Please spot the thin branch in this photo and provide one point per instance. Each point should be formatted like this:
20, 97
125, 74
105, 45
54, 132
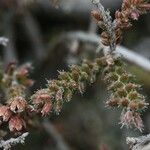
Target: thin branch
60, 143
34, 34
107, 23
129, 55
4, 41
13, 141
9, 50
140, 143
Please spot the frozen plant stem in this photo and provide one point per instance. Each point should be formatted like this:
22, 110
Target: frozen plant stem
4, 41
106, 23
126, 53
124, 91
13, 141
140, 143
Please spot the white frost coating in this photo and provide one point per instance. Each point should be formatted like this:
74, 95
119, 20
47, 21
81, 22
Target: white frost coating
140, 143
134, 57
129, 55
4, 41
107, 23
13, 141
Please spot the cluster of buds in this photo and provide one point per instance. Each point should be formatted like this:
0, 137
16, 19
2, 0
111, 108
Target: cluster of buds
18, 76
15, 121
13, 112
124, 93
42, 101
61, 90
22, 75
15, 81
131, 10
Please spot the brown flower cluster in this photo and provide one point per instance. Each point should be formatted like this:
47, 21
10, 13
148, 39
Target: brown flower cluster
130, 10
62, 90
124, 94
14, 82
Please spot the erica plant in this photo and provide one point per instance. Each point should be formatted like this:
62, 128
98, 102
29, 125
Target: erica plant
17, 108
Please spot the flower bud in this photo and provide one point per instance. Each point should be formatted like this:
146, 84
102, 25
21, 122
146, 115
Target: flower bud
133, 105
17, 104
5, 113
124, 102
16, 124
95, 14
113, 102
46, 108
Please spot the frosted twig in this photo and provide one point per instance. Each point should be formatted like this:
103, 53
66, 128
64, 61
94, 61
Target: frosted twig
13, 141
60, 143
140, 143
34, 34
129, 55
4, 41
107, 23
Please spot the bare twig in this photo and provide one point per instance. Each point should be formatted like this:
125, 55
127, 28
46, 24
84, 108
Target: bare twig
107, 23
4, 41
13, 141
140, 143
9, 50
129, 55
60, 143
34, 35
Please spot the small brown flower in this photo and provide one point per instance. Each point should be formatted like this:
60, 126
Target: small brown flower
142, 105
16, 124
46, 108
95, 14
18, 104
41, 97
22, 75
133, 105
23, 70
113, 102
135, 15
124, 102
138, 122
130, 118
5, 113
59, 94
